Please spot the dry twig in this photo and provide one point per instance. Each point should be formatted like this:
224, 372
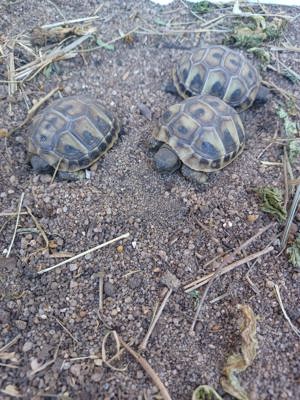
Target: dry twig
172, 283
66, 329
148, 369
226, 260
278, 296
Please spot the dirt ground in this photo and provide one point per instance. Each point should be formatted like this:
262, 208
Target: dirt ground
165, 216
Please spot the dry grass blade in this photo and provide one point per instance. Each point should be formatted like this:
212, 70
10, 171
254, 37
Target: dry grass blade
12, 85
9, 344
118, 352
66, 330
71, 22
290, 218
12, 366
11, 390
37, 224
230, 257
125, 236
30, 70
16, 226
12, 214
278, 296
101, 285
34, 109
55, 171
144, 343
148, 369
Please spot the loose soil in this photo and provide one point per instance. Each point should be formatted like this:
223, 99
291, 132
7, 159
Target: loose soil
123, 194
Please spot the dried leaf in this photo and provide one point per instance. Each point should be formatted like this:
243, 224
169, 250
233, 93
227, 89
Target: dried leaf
35, 365
9, 356
291, 131
205, 392
238, 362
4, 133
12, 390
272, 202
294, 252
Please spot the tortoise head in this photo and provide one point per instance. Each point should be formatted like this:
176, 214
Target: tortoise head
263, 95
166, 160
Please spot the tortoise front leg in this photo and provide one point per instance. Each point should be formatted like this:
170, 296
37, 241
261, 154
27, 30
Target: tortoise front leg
197, 177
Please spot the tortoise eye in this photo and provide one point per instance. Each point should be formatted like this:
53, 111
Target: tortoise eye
43, 138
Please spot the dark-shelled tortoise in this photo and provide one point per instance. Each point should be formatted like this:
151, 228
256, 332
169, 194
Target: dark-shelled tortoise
71, 134
201, 134
221, 72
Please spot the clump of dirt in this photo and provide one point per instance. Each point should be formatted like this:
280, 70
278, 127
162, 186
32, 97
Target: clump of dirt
173, 226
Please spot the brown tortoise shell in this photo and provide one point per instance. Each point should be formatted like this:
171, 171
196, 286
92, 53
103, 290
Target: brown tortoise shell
218, 71
205, 132
74, 132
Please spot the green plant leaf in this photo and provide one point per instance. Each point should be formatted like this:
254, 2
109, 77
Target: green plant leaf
106, 46
294, 252
272, 202
205, 392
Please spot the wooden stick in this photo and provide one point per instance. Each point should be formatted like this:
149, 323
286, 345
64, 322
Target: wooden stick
148, 369
125, 236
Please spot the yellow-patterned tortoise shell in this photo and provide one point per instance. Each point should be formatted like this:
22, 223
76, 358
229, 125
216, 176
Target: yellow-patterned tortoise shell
72, 133
218, 71
206, 133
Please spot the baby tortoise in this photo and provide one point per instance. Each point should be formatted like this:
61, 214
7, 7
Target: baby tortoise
221, 72
199, 135
71, 134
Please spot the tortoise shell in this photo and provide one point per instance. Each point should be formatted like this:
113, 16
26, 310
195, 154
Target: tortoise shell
205, 132
74, 132
218, 71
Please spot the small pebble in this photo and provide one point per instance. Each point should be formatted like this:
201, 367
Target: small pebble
27, 346
96, 377
252, 218
270, 284
120, 249
20, 324
109, 289
75, 370
73, 267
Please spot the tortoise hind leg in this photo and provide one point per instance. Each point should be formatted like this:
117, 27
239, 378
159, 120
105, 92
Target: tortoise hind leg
197, 177
71, 176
